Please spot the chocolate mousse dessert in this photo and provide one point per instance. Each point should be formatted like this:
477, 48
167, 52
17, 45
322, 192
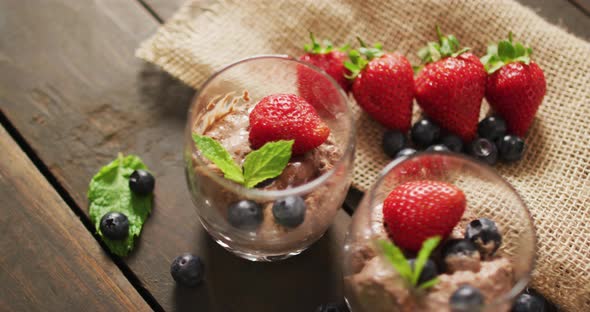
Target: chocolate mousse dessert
277, 143
427, 254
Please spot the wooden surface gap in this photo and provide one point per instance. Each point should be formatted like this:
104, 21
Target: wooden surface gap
582, 5
151, 11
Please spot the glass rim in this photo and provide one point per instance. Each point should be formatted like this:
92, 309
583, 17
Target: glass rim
294, 191
519, 284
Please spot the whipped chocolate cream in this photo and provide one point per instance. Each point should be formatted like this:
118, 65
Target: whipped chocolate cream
378, 287
231, 131
456, 263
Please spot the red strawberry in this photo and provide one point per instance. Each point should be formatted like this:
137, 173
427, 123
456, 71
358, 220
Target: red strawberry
316, 88
451, 86
383, 85
417, 210
516, 85
287, 117
326, 58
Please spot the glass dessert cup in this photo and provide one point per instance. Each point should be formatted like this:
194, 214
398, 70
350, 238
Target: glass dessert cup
372, 283
321, 177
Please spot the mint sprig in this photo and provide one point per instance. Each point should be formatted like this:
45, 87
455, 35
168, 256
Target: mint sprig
505, 52
267, 162
109, 192
399, 262
218, 155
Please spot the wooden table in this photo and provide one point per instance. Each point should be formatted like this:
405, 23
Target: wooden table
72, 96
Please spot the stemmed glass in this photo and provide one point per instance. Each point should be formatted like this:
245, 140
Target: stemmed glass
488, 196
240, 86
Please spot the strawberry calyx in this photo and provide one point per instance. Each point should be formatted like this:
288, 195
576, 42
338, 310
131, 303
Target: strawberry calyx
505, 52
447, 46
358, 59
316, 48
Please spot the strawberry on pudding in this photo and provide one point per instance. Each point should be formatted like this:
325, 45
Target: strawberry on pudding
428, 254
276, 143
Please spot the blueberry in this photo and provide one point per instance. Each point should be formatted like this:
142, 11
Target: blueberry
484, 150
187, 270
332, 307
393, 141
460, 255
141, 182
452, 142
529, 303
466, 298
245, 214
510, 148
428, 272
492, 128
438, 148
425, 133
289, 211
405, 152
485, 235
114, 225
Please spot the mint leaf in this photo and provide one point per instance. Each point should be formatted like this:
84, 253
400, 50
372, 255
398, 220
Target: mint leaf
429, 283
427, 247
396, 258
267, 162
109, 192
213, 151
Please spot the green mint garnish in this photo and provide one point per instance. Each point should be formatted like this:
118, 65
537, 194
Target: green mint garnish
447, 46
109, 192
399, 262
505, 52
397, 259
267, 162
213, 151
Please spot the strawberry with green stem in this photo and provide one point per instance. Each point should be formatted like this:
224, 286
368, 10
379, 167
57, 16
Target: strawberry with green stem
383, 85
450, 86
326, 57
515, 85
317, 89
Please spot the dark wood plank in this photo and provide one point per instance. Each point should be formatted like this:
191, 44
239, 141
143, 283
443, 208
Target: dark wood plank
49, 261
70, 84
583, 5
564, 14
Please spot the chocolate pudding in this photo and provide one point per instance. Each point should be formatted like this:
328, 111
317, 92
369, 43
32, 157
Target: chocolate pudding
378, 287
228, 123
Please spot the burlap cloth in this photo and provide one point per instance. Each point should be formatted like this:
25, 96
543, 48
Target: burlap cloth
554, 176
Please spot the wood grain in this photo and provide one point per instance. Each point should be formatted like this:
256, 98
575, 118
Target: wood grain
49, 260
563, 13
71, 86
